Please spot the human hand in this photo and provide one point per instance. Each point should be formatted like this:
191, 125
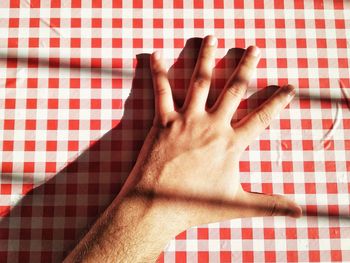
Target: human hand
188, 167
187, 172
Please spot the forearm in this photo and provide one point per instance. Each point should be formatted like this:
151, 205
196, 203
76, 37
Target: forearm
128, 231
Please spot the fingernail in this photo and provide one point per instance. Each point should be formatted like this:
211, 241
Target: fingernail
290, 90
156, 55
254, 51
212, 40
296, 213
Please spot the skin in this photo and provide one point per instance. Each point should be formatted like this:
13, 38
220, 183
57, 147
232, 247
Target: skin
187, 172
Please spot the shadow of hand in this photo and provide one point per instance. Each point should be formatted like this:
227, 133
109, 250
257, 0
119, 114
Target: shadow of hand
50, 219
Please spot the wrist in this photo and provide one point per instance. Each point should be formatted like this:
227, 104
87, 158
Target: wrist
149, 200
144, 226
150, 210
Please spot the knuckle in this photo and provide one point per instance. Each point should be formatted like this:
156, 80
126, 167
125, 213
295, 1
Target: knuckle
189, 120
193, 120
232, 144
264, 117
157, 69
236, 90
201, 80
272, 207
160, 91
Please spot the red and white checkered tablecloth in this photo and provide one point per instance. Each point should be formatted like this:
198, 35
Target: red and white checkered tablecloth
76, 102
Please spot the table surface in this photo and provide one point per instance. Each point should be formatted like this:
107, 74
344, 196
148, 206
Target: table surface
76, 103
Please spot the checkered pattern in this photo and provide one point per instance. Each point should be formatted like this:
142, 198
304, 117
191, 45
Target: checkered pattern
76, 103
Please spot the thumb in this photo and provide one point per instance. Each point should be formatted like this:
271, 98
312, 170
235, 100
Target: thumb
259, 204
